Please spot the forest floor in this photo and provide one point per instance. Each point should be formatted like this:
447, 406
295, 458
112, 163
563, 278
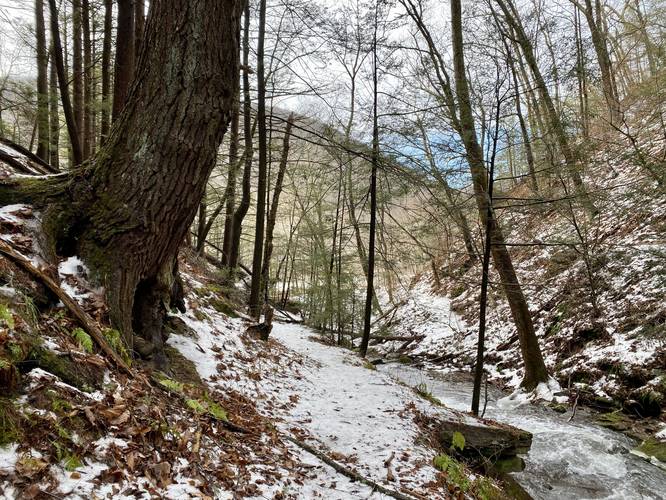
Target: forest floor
224, 422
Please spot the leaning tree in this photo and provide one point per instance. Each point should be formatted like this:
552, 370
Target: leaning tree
127, 209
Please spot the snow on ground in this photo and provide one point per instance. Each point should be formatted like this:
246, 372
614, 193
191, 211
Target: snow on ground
323, 395
619, 353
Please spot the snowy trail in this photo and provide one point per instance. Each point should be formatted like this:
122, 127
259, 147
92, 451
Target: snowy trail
567, 460
359, 414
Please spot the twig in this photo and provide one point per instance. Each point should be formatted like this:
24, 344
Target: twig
345, 471
575, 406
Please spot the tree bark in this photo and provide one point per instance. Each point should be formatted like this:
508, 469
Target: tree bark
54, 112
106, 71
139, 26
535, 369
124, 68
43, 141
77, 73
127, 211
255, 286
88, 71
232, 177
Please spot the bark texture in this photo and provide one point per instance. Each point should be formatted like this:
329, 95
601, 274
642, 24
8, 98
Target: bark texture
127, 211
42, 83
124, 68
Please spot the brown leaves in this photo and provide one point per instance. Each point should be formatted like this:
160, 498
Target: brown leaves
159, 474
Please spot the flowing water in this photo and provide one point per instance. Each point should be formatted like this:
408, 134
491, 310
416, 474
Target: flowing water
568, 460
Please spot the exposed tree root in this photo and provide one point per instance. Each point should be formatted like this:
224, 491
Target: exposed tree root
88, 324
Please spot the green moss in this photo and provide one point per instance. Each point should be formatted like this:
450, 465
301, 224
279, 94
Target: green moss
207, 406
616, 420
405, 360
15, 352
6, 316
10, 423
217, 411
222, 307
195, 405
81, 375
458, 290
484, 489
454, 471
71, 463
172, 385
653, 448
423, 391
200, 315
115, 340
368, 365
82, 339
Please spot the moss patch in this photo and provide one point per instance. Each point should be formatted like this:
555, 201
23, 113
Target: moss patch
82, 339
653, 448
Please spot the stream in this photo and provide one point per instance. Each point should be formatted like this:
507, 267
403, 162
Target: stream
568, 460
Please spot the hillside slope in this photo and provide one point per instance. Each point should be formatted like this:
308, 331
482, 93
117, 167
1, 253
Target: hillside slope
595, 288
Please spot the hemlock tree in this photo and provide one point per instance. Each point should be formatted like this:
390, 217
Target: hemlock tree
127, 210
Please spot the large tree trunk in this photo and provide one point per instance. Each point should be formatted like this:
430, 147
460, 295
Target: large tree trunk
42, 83
124, 69
535, 369
127, 212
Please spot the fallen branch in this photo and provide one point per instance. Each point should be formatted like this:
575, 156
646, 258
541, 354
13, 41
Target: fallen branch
345, 471
393, 309
395, 338
81, 316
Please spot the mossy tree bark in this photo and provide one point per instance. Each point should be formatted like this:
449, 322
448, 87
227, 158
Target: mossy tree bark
127, 211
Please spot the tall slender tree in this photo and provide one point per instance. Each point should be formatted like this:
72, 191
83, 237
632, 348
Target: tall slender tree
42, 83
535, 368
124, 66
255, 286
367, 315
